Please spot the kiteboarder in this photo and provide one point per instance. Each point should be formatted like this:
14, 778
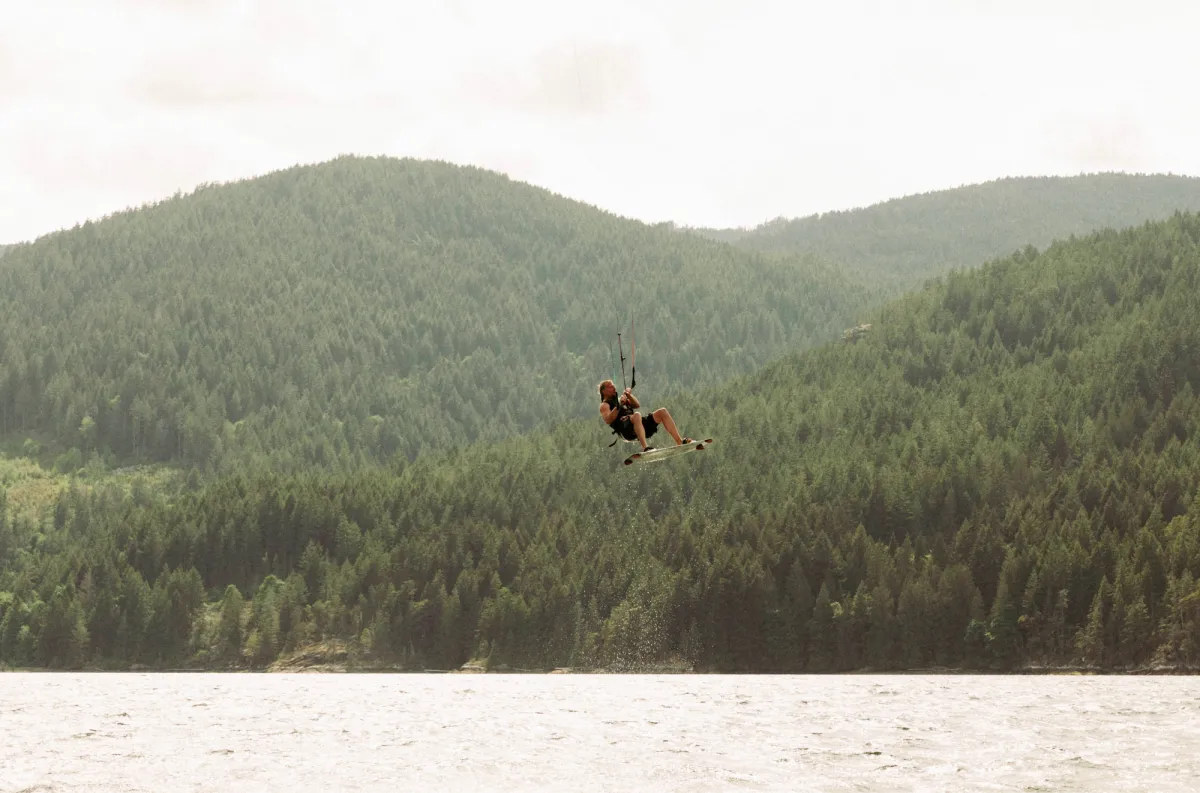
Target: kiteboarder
623, 416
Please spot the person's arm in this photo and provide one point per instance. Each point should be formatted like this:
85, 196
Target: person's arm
631, 400
607, 413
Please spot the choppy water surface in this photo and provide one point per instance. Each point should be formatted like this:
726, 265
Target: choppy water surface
212, 732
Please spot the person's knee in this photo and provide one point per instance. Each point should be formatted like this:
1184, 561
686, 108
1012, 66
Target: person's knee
636, 417
660, 414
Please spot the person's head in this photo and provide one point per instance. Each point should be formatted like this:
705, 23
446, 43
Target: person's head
608, 389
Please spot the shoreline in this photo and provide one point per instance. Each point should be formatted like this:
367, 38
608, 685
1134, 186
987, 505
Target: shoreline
341, 657
1155, 670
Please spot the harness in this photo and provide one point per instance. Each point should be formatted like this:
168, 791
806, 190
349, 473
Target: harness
622, 412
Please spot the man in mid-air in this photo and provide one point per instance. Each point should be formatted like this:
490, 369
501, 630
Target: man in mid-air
622, 415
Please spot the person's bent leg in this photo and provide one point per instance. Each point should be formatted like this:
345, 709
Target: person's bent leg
663, 417
636, 418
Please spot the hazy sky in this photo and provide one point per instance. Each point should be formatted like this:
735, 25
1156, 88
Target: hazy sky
704, 112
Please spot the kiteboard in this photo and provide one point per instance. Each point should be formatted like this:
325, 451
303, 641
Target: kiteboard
662, 453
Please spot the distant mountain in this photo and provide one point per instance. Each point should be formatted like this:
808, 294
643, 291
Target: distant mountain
906, 240
364, 307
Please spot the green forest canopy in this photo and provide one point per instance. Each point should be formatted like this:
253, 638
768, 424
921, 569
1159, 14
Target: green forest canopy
906, 240
1003, 472
344, 312
338, 314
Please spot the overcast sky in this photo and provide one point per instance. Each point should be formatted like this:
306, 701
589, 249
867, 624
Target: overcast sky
705, 112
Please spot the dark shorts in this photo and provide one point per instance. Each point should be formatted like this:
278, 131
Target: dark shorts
625, 427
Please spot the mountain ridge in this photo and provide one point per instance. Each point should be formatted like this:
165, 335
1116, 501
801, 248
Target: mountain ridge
909, 238
364, 307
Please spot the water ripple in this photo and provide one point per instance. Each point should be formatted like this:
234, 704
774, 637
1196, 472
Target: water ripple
77, 733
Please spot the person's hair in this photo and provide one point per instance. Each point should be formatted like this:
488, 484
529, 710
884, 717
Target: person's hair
603, 383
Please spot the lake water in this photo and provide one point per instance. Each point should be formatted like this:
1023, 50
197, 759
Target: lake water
375, 732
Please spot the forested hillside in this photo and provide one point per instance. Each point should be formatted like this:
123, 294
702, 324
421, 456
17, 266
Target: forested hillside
348, 311
906, 240
1002, 472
